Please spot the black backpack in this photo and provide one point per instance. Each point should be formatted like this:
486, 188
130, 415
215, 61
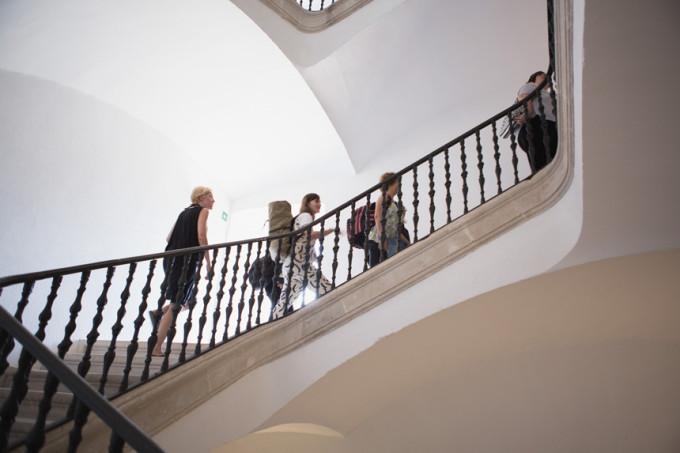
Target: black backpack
262, 271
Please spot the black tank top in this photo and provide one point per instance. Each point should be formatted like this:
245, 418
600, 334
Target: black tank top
185, 232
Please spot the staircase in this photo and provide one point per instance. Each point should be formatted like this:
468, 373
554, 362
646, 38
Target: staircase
460, 197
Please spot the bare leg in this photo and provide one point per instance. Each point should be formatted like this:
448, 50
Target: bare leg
163, 328
152, 313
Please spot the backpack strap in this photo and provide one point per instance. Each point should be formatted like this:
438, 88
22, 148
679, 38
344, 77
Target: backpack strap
292, 222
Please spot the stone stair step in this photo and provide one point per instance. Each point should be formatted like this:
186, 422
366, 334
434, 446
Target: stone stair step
37, 379
30, 405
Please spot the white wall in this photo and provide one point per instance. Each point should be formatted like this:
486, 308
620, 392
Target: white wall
84, 182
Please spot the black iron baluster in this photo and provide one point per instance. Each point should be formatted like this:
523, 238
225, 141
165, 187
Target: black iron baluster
277, 279
319, 257
447, 184
280, 260
257, 296
260, 295
232, 290
305, 267
110, 354
530, 139
464, 175
336, 247
80, 411
400, 215
36, 437
206, 300
6, 340
139, 321
177, 299
188, 324
431, 193
480, 166
244, 287
382, 240
350, 233
10, 407
153, 338
544, 129
497, 157
515, 160
416, 217
84, 365
291, 261
367, 230
116, 443
220, 295
275, 294
251, 298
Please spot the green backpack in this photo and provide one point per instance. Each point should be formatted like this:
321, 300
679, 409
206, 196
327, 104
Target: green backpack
281, 221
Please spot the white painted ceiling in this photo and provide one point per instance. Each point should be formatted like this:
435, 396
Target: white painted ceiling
399, 66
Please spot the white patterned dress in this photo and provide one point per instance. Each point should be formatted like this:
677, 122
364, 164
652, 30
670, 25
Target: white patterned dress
301, 265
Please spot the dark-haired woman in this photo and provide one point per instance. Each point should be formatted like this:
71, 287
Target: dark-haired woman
304, 263
392, 220
535, 148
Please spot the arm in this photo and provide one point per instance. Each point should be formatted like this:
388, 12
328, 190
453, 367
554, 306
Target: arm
405, 239
304, 220
530, 109
524, 91
317, 234
203, 233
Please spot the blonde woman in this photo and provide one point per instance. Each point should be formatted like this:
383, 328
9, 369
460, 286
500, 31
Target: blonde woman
190, 230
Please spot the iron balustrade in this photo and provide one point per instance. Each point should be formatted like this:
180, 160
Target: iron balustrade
315, 5
111, 299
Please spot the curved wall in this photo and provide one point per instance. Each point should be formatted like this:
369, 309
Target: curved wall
82, 181
583, 359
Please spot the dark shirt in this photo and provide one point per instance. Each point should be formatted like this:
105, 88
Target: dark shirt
185, 232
